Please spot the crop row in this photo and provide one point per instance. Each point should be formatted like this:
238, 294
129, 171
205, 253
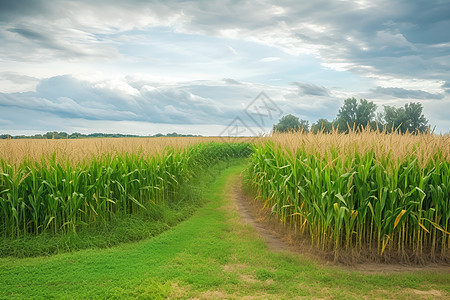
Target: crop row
352, 200
59, 196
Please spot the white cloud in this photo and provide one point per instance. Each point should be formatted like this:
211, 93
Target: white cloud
232, 50
269, 59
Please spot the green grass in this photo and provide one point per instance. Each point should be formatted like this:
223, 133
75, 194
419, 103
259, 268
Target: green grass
210, 255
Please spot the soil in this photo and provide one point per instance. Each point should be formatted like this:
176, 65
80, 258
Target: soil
249, 213
282, 238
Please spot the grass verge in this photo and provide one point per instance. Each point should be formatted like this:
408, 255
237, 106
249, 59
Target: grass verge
211, 255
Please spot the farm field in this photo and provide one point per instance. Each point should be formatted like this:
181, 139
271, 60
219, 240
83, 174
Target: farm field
358, 195
53, 192
224, 149
212, 255
157, 218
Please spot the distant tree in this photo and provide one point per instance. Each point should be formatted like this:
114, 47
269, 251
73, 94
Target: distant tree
417, 121
354, 114
159, 135
405, 119
96, 134
304, 125
76, 135
322, 125
51, 135
63, 135
5, 136
291, 123
56, 135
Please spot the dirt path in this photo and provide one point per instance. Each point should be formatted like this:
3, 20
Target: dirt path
249, 214
280, 239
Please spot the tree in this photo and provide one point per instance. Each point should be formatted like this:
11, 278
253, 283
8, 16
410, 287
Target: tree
416, 120
291, 123
405, 119
76, 135
322, 125
355, 115
51, 135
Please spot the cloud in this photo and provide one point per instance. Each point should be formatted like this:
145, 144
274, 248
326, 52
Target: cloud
403, 93
66, 102
232, 50
269, 59
446, 87
311, 89
231, 81
357, 37
204, 57
5, 122
17, 78
117, 100
51, 42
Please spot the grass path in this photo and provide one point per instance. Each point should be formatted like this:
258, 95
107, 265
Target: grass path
211, 255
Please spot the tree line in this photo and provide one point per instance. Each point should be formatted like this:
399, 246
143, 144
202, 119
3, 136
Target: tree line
357, 115
76, 135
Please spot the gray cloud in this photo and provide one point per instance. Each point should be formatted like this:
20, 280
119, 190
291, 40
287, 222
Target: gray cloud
68, 97
311, 89
197, 102
47, 41
446, 87
346, 33
403, 93
18, 78
311, 107
11, 10
202, 103
231, 81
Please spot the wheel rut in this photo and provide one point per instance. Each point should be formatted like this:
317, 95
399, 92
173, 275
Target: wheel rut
274, 240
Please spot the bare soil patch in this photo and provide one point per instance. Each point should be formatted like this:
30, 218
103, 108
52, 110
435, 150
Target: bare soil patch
283, 238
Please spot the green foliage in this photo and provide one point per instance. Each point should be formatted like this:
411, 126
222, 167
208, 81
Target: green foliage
53, 196
76, 135
358, 202
291, 123
405, 119
355, 115
121, 228
322, 125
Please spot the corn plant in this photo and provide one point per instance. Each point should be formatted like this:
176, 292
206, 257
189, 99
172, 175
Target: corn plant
57, 195
354, 192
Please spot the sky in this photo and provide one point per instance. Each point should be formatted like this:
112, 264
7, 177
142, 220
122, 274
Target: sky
216, 67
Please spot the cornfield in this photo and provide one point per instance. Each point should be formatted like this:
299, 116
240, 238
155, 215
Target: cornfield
360, 191
56, 190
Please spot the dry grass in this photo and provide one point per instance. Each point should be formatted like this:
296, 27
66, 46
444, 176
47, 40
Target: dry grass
78, 150
393, 145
